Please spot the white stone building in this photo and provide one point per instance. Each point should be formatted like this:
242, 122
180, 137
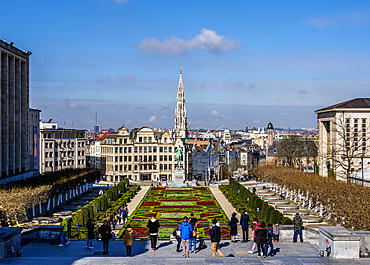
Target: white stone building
344, 137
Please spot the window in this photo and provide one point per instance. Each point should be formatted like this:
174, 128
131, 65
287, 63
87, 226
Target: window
125, 167
120, 141
165, 140
145, 139
165, 149
120, 150
116, 167
51, 154
116, 150
161, 149
82, 144
120, 159
51, 163
124, 158
78, 153
170, 158
140, 149
145, 167
125, 150
125, 141
129, 167
135, 149
154, 167
154, 158
165, 158
160, 158
145, 158
150, 139
51, 145
169, 166
46, 145
56, 145
129, 149
46, 164
135, 167
140, 139
145, 149
116, 159
161, 167
73, 144
150, 149
170, 149
78, 162
129, 159
46, 154
165, 166
83, 153
154, 149
149, 158
135, 159
56, 154
56, 163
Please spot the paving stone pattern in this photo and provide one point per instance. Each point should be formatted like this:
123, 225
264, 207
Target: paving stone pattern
236, 253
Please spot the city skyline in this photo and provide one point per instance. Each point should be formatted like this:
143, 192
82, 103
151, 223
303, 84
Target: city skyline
242, 62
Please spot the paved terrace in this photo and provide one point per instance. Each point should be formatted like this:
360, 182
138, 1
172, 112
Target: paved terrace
236, 253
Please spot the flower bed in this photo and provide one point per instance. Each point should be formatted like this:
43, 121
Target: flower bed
171, 205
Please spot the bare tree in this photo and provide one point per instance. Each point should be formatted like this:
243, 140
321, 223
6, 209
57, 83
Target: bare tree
348, 145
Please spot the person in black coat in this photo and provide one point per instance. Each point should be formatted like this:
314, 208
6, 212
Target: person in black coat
233, 227
106, 235
261, 238
90, 233
153, 226
215, 235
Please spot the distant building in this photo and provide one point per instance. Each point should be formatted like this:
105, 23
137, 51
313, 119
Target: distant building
14, 76
61, 148
344, 137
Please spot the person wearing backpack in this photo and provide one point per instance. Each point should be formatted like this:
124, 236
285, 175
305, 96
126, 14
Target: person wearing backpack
261, 239
268, 244
185, 230
215, 235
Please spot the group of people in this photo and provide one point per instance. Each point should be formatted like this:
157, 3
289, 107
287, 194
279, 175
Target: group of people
186, 235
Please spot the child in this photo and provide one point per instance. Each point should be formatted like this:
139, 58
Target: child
275, 232
255, 225
269, 241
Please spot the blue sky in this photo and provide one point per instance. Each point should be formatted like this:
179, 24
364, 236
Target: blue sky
242, 61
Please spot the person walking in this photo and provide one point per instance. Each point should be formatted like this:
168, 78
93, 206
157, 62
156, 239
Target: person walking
298, 223
275, 231
90, 233
215, 235
193, 236
106, 234
153, 226
269, 241
177, 234
255, 225
129, 239
261, 239
244, 220
63, 232
233, 227
185, 229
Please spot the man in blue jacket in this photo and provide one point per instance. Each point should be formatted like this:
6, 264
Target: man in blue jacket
186, 229
244, 220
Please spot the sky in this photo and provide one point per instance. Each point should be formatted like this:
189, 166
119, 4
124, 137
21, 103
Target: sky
244, 63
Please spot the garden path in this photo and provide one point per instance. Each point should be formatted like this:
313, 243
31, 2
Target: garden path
225, 205
131, 206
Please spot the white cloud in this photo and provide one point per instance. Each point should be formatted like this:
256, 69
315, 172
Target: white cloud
355, 19
140, 106
214, 113
130, 121
206, 40
164, 105
256, 121
127, 78
153, 119
164, 118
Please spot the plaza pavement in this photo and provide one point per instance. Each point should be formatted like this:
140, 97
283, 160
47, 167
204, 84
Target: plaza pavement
236, 253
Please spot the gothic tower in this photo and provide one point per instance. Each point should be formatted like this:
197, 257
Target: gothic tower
270, 133
180, 128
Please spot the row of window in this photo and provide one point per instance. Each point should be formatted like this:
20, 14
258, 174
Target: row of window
145, 149
142, 167
65, 144
64, 153
65, 135
65, 163
143, 158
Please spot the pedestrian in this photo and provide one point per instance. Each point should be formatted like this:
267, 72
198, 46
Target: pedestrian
233, 227
129, 239
63, 232
275, 232
298, 223
185, 229
193, 236
215, 235
106, 234
153, 226
244, 220
90, 233
261, 239
269, 241
255, 225
254, 190
101, 192
177, 235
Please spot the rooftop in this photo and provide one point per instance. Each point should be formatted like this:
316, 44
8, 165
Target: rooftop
357, 103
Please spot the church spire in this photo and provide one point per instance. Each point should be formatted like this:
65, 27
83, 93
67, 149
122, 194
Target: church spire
180, 111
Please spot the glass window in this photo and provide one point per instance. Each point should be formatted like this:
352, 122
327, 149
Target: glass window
145, 149
170, 149
116, 158
165, 149
120, 167
129, 159
46, 145
154, 149
140, 149
150, 139
124, 158
160, 158
165, 158
116, 149
129, 149
145, 139
125, 150
140, 139
120, 141
170, 158
165, 140
161, 149
154, 158
129, 167
150, 149
135, 149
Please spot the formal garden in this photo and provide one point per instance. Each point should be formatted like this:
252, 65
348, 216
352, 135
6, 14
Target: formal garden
171, 205
345, 204
242, 199
109, 203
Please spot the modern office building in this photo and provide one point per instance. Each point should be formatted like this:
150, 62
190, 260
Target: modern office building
61, 148
14, 83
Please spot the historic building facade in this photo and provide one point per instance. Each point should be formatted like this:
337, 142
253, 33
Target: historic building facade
344, 138
139, 154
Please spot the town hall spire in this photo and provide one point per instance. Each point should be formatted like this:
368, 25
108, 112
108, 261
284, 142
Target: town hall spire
180, 128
